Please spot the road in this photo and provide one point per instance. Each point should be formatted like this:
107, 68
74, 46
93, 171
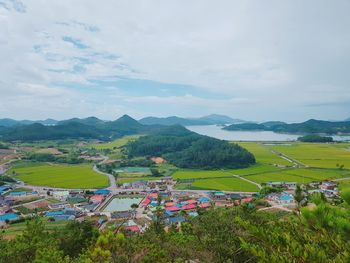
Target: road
249, 181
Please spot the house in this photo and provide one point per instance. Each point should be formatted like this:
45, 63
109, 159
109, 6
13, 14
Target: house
204, 205
9, 217
288, 185
123, 215
175, 220
328, 185
97, 198
60, 195
218, 195
60, 205
172, 208
189, 207
102, 192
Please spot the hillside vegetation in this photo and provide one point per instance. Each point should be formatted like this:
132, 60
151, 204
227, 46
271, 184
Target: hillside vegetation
187, 149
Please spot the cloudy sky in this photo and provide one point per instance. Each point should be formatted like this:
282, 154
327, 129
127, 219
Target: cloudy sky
255, 60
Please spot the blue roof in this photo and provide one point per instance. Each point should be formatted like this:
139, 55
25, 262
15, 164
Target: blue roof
18, 193
55, 213
102, 192
193, 214
9, 216
63, 217
168, 213
4, 188
177, 219
204, 199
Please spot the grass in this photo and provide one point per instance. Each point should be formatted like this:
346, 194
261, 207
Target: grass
319, 155
202, 174
344, 185
225, 184
74, 176
18, 228
278, 177
263, 154
114, 144
319, 174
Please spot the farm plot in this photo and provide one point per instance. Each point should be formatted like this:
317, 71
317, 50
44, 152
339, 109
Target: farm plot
279, 177
317, 154
263, 154
203, 174
114, 144
225, 184
319, 174
75, 176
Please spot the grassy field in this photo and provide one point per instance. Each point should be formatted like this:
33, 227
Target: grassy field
278, 177
74, 176
263, 154
319, 174
202, 174
114, 144
344, 185
18, 228
225, 184
317, 154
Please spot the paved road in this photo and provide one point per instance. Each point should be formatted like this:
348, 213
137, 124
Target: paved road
247, 180
112, 183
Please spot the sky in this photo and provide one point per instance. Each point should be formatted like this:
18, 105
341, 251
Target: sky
254, 60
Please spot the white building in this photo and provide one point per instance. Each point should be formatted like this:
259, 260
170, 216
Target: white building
60, 195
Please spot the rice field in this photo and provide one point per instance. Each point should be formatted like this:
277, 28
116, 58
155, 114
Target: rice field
278, 177
114, 144
73, 176
203, 174
263, 154
320, 155
225, 184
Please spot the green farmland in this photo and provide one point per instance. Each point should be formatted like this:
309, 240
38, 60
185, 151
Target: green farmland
74, 176
114, 144
263, 154
225, 184
203, 174
317, 154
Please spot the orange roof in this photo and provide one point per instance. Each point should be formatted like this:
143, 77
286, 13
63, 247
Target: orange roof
170, 203
192, 201
153, 195
97, 198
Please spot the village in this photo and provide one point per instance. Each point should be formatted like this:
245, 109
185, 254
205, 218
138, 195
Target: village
133, 206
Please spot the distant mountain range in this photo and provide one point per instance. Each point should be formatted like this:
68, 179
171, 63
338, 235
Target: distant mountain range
310, 126
89, 128
213, 119
10, 122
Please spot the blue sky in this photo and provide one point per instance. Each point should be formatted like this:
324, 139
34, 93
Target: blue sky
254, 60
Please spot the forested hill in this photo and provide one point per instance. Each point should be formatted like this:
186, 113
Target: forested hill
187, 149
310, 126
89, 128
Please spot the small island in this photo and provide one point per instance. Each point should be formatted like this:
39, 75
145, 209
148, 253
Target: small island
315, 138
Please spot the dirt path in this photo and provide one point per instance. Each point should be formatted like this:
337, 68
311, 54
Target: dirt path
247, 180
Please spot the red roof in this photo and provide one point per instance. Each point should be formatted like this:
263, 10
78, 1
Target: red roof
192, 201
247, 199
134, 228
146, 202
154, 195
205, 205
97, 198
189, 207
172, 209
170, 204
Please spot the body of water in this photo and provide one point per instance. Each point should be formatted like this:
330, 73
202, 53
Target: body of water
121, 204
219, 133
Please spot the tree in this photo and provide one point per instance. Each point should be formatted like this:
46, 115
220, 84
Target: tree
299, 197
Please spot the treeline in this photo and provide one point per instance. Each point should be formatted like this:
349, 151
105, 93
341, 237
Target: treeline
237, 235
187, 149
71, 158
315, 138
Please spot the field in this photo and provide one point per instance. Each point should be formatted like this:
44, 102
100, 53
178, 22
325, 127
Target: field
263, 154
225, 184
202, 174
18, 228
77, 176
344, 185
114, 144
317, 154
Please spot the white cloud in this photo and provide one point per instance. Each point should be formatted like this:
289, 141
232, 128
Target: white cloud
277, 57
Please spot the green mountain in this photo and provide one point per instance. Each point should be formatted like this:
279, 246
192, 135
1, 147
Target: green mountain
87, 121
310, 126
11, 122
213, 119
187, 149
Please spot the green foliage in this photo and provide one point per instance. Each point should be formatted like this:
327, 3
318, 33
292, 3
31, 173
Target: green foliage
186, 149
315, 138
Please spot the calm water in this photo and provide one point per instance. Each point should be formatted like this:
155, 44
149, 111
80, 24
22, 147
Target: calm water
217, 132
121, 204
